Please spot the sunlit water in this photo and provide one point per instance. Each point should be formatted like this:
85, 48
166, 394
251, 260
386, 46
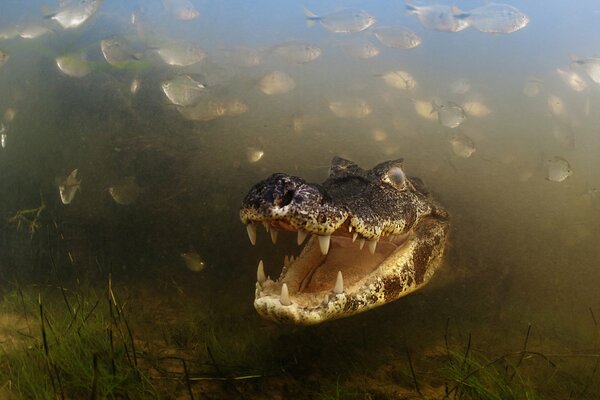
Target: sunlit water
523, 249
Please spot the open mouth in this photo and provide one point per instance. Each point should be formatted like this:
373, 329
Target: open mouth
329, 270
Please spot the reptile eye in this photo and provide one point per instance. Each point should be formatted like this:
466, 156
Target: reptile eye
397, 178
287, 198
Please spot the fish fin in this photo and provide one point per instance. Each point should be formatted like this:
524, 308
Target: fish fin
410, 7
311, 17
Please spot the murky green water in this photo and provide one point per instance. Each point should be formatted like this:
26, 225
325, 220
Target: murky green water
514, 310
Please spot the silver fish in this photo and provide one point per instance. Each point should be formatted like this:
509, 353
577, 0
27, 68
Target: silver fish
125, 192
254, 154
75, 12
400, 80
193, 261
73, 65
343, 21
495, 18
3, 135
449, 114
397, 37
276, 82
572, 79
460, 86
183, 90
532, 87
438, 17
462, 145
68, 187
558, 169
181, 9
135, 85
350, 107
117, 51
33, 30
297, 52
181, 54
362, 49
591, 66
210, 110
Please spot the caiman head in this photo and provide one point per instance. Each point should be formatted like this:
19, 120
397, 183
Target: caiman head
375, 236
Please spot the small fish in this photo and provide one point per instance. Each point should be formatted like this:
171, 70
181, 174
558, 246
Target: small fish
126, 192
3, 135
33, 30
73, 65
193, 261
379, 135
495, 18
8, 32
3, 57
183, 90
9, 114
343, 21
449, 114
462, 145
572, 79
75, 12
254, 154
362, 49
558, 169
117, 51
297, 52
556, 106
181, 9
438, 17
276, 82
350, 107
210, 110
425, 109
532, 88
476, 109
400, 80
68, 187
397, 37
181, 54
135, 85
591, 66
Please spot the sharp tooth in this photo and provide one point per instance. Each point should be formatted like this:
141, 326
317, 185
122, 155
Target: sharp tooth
301, 237
284, 297
266, 225
292, 259
361, 243
251, 228
339, 284
324, 243
274, 235
372, 246
349, 228
354, 236
260, 273
286, 260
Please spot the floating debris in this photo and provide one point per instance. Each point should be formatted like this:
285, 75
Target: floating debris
438, 17
68, 187
400, 80
462, 145
558, 169
193, 261
73, 65
254, 154
125, 192
73, 13
181, 9
397, 37
181, 54
183, 90
495, 18
297, 52
449, 114
350, 107
476, 109
276, 82
343, 21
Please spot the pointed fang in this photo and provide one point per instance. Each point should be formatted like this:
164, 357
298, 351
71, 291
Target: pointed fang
301, 237
324, 241
251, 228
372, 246
339, 284
354, 236
284, 298
274, 236
260, 273
361, 243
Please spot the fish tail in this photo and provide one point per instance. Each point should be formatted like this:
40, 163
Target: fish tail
311, 17
410, 7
